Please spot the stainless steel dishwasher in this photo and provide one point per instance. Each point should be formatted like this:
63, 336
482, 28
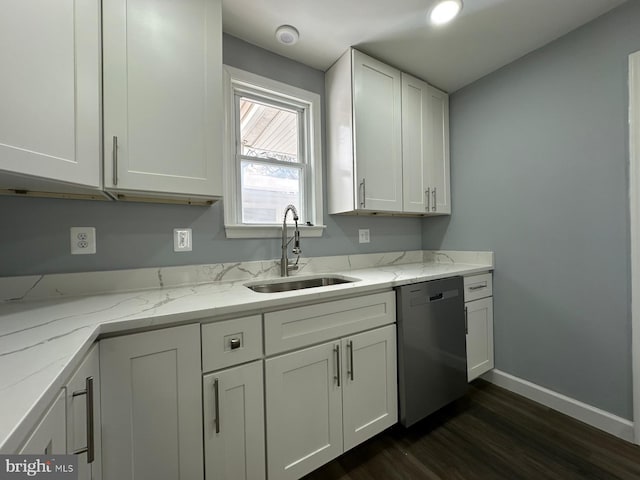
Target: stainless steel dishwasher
432, 352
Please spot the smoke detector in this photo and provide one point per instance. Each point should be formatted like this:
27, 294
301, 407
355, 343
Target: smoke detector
287, 35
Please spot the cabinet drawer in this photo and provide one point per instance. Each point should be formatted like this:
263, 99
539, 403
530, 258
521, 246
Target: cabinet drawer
231, 342
477, 286
303, 326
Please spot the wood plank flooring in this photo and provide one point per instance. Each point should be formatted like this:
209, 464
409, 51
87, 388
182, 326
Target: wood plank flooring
489, 434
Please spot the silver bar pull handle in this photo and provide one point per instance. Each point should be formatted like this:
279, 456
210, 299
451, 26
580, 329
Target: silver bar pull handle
336, 350
350, 348
90, 449
216, 408
115, 160
363, 187
427, 194
434, 199
478, 287
466, 320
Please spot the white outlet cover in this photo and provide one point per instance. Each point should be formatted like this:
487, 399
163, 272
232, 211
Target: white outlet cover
363, 235
182, 240
83, 240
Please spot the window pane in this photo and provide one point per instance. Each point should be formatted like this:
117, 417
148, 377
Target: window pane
267, 131
267, 190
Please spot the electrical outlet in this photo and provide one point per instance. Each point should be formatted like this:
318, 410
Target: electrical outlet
363, 235
83, 240
182, 240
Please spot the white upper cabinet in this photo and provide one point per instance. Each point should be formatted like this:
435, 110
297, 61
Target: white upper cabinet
415, 145
50, 95
425, 148
438, 151
377, 134
364, 135
388, 139
163, 98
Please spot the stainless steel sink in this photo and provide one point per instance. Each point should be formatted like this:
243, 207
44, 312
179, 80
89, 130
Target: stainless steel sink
297, 284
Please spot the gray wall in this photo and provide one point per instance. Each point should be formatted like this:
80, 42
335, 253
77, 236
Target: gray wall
35, 232
539, 175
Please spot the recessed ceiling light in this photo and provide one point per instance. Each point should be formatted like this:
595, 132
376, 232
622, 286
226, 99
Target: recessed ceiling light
287, 34
445, 11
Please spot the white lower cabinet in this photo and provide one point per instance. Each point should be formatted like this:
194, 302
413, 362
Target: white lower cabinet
370, 393
479, 337
304, 410
83, 416
234, 423
50, 436
323, 400
152, 405
478, 296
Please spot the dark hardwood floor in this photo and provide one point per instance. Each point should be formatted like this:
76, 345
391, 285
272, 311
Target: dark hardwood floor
489, 434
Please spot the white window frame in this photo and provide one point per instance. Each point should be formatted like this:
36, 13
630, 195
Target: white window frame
240, 81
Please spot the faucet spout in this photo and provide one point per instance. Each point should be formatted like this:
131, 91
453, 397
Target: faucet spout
284, 260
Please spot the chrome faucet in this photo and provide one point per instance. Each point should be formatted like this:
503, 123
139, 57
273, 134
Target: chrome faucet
284, 261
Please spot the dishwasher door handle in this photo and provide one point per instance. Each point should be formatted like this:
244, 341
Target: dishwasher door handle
445, 295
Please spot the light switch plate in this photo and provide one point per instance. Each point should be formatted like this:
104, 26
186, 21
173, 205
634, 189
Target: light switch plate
363, 235
182, 240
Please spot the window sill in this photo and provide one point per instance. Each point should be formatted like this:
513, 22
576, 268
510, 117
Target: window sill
271, 231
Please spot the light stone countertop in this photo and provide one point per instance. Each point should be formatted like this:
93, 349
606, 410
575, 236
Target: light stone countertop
42, 340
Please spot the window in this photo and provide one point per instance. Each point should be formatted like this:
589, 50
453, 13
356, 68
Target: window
273, 156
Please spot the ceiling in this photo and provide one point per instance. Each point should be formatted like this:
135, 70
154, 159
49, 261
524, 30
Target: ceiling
487, 35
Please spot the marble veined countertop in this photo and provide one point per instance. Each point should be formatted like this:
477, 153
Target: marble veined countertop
48, 323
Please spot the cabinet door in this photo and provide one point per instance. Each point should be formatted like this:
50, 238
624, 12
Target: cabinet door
304, 410
50, 89
163, 96
479, 337
377, 134
416, 147
49, 437
438, 128
370, 393
234, 424
152, 405
80, 392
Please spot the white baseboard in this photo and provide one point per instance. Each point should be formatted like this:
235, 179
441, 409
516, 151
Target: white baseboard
620, 427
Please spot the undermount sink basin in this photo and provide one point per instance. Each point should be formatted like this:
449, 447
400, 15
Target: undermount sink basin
289, 284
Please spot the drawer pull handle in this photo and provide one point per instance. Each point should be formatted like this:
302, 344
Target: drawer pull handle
336, 350
234, 343
466, 320
115, 160
90, 448
478, 287
350, 348
216, 408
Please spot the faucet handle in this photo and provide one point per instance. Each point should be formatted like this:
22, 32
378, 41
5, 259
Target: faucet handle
296, 250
